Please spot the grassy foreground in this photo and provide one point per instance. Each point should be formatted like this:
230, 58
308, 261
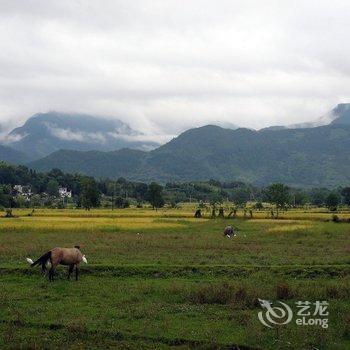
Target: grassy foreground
159, 280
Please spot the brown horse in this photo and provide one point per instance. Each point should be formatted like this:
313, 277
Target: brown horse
71, 257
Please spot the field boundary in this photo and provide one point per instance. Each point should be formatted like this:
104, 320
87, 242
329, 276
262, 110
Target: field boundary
154, 271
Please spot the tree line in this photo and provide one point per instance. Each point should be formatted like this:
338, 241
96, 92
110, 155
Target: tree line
88, 192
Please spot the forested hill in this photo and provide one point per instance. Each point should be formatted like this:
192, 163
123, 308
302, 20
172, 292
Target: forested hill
121, 163
10, 155
317, 156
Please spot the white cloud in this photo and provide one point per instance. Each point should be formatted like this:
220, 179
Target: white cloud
166, 65
123, 133
5, 137
158, 138
81, 136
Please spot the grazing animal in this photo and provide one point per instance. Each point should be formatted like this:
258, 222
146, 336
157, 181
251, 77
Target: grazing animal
71, 257
229, 231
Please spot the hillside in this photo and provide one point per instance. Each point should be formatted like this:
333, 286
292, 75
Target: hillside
308, 157
45, 133
120, 163
9, 155
342, 113
299, 157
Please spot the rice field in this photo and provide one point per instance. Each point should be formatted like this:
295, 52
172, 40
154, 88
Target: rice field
162, 279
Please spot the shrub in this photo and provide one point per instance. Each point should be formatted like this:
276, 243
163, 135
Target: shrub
283, 291
8, 213
213, 294
335, 218
198, 213
223, 293
332, 292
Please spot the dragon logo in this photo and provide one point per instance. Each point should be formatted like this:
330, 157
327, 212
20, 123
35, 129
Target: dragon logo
277, 315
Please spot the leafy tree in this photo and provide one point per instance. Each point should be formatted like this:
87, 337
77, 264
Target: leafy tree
21, 202
174, 203
241, 196
333, 200
140, 191
318, 196
299, 198
258, 206
35, 201
121, 202
278, 194
215, 198
346, 194
52, 188
5, 196
90, 195
154, 195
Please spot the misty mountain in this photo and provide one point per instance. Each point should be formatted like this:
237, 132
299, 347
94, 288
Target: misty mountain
317, 156
45, 133
336, 115
341, 114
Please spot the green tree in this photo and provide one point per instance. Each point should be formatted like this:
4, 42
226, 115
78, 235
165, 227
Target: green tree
299, 198
35, 200
277, 194
346, 194
258, 206
241, 196
121, 202
215, 198
52, 188
5, 196
90, 195
318, 196
154, 195
333, 200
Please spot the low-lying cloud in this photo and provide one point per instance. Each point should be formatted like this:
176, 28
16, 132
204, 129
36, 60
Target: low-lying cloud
165, 65
122, 133
80, 136
8, 138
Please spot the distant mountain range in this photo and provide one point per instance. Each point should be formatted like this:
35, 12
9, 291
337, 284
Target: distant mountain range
44, 133
315, 156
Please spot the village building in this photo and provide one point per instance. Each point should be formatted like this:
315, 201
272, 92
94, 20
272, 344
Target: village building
23, 191
64, 192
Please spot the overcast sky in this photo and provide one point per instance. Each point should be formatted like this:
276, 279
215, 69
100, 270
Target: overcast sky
163, 66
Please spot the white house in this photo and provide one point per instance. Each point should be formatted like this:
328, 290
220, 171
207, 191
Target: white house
23, 191
63, 192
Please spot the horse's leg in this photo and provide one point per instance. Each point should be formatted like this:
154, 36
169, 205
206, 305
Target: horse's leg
51, 274
76, 272
70, 270
52, 269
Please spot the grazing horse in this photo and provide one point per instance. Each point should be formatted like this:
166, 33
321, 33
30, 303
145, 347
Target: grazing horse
71, 257
229, 231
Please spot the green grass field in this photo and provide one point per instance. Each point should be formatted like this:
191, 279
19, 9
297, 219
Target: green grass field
162, 279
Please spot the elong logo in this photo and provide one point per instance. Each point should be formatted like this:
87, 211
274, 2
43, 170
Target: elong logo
283, 314
274, 315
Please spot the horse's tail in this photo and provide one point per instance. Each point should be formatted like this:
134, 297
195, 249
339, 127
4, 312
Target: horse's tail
42, 260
